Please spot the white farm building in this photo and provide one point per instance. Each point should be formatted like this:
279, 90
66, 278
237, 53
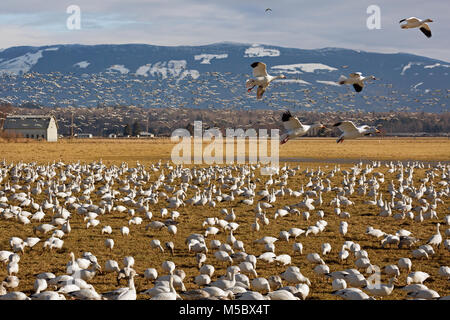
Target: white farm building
33, 127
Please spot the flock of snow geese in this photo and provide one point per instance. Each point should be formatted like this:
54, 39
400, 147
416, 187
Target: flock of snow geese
240, 230
349, 130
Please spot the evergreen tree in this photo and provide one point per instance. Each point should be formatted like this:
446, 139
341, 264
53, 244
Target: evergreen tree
127, 130
136, 129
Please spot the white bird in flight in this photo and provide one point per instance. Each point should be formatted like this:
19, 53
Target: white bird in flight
294, 127
356, 79
414, 22
262, 79
350, 131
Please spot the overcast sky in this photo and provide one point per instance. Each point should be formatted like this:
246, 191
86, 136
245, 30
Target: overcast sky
306, 24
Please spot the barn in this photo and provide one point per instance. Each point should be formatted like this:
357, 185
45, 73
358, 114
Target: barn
31, 126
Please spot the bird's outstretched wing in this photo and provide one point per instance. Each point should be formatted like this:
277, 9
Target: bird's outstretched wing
259, 69
268, 9
412, 20
358, 87
402, 20
346, 126
290, 122
425, 28
355, 74
260, 92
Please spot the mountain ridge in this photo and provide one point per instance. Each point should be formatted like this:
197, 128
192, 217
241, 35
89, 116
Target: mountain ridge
224, 66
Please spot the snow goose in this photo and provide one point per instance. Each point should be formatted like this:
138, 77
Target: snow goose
261, 285
150, 274
356, 79
250, 295
426, 294
170, 246
207, 269
226, 283
414, 22
4, 256
314, 258
295, 232
109, 243
88, 274
294, 128
202, 280
268, 257
392, 270
85, 294
283, 259
262, 79
436, 239
444, 271
351, 131
168, 266
297, 247
281, 295
125, 231
321, 269
107, 229
417, 277
405, 263
72, 266
111, 266
381, 290
352, 294
218, 293
293, 275
15, 295
127, 293
11, 282
31, 241
338, 284
156, 244
47, 295
302, 290
326, 248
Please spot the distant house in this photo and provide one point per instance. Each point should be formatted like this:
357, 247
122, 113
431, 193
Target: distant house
34, 127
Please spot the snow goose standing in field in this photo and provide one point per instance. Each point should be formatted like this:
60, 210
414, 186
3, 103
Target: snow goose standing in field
350, 131
417, 277
436, 239
262, 79
381, 290
414, 22
294, 127
109, 243
127, 293
356, 79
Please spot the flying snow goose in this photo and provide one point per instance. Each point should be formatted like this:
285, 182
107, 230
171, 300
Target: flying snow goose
262, 79
294, 127
355, 79
351, 131
414, 22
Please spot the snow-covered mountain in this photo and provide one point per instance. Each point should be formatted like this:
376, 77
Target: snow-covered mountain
214, 76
